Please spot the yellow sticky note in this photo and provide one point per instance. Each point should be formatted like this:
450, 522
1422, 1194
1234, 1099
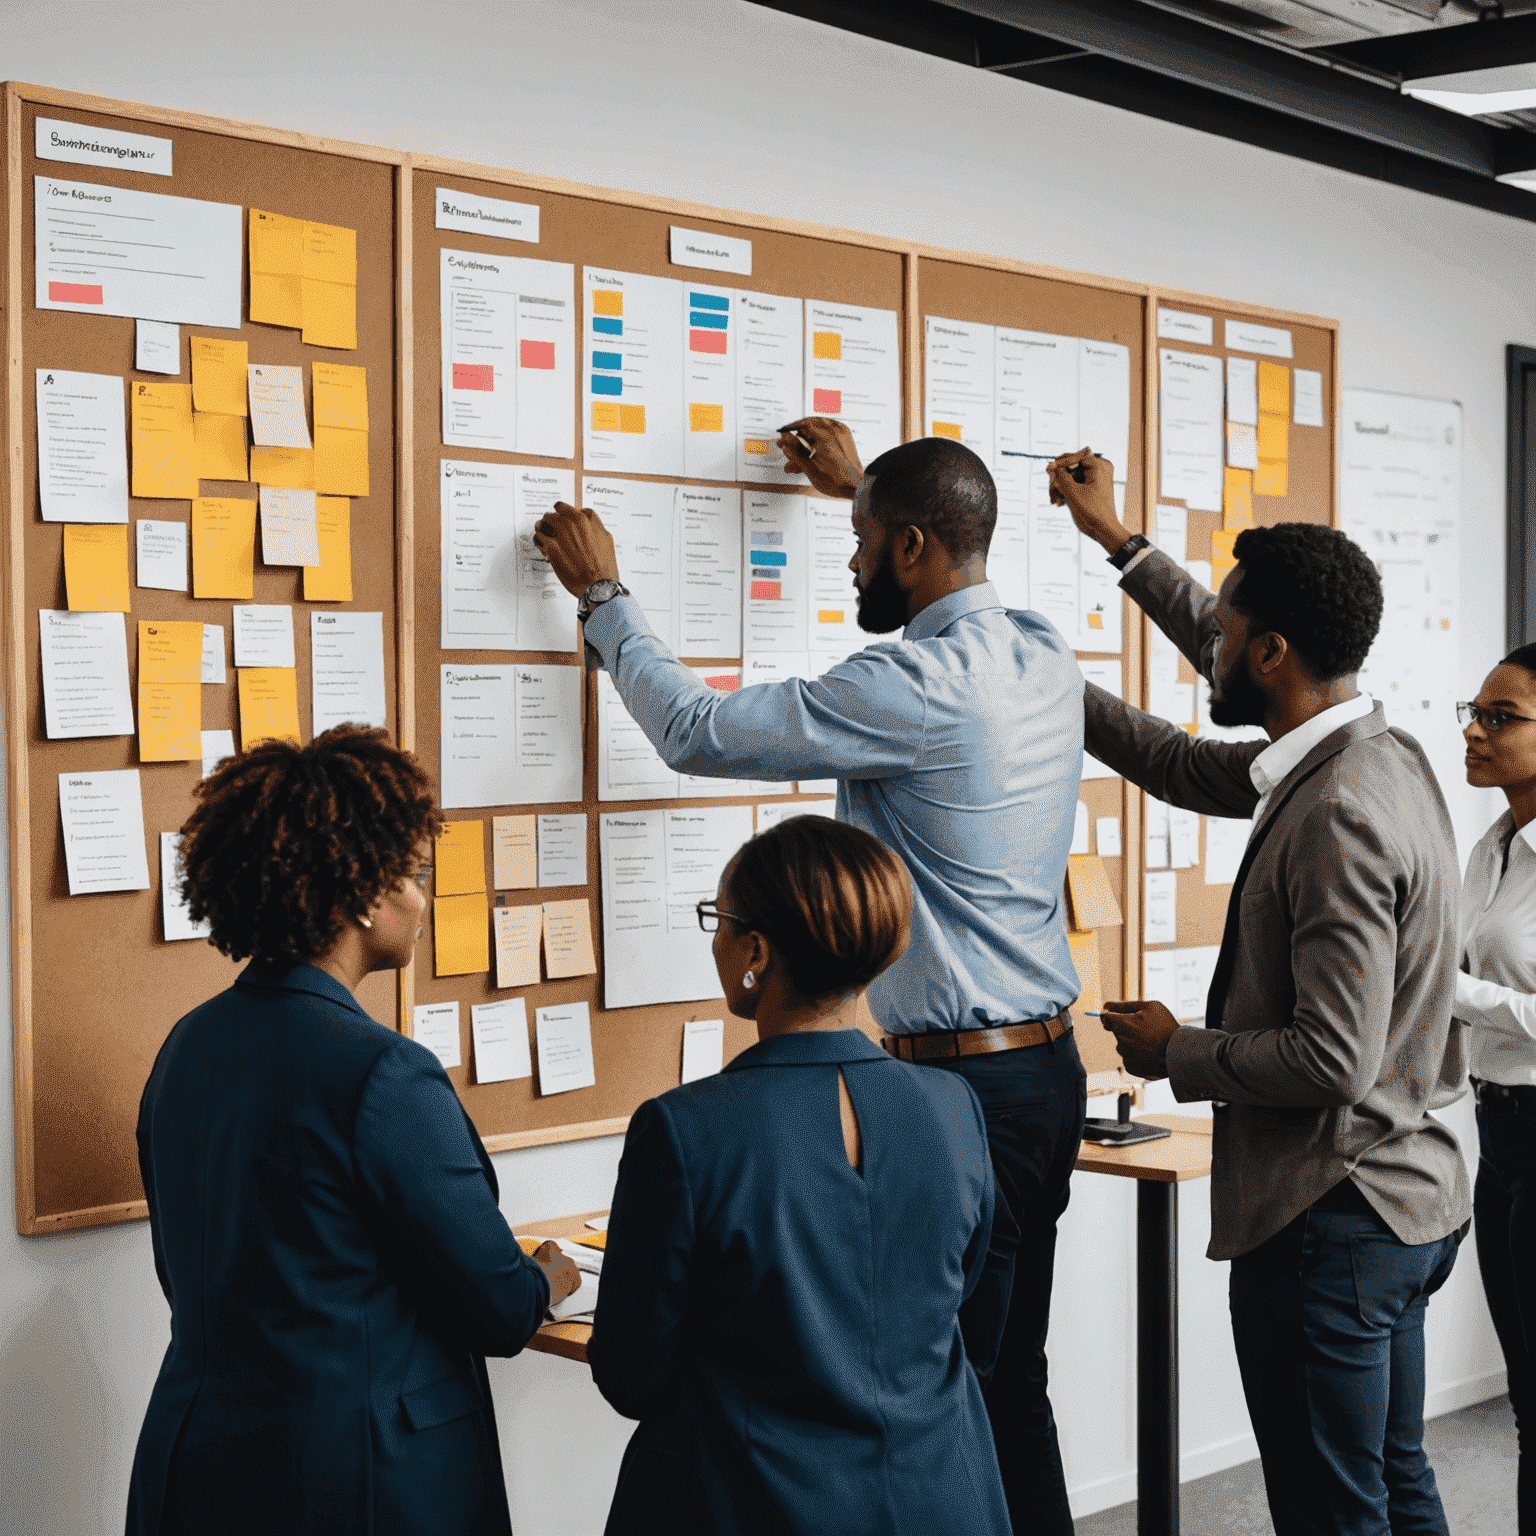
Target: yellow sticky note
1237, 500
517, 945
1220, 570
291, 467
1271, 478
829, 615
598, 1240
826, 344
1085, 957
341, 460
277, 259
276, 300
269, 704
605, 416
514, 853
170, 721
218, 376
460, 934
1274, 437
1093, 902
706, 418
528, 1244
341, 396
631, 418
755, 445
568, 939
223, 546
1221, 549
606, 302
329, 313
220, 447
1275, 388
460, 865
164, 447
331, 580
96, 567
947, 429
170, 651
1095, 621
329, 254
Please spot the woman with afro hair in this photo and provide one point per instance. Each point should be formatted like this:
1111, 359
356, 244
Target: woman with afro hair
324, 1216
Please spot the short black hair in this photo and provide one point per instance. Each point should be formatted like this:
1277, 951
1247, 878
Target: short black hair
940, 486
1522, 656
1316, 587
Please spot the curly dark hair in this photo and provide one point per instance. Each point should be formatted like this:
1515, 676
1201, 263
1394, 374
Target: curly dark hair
288, 842
1316, 587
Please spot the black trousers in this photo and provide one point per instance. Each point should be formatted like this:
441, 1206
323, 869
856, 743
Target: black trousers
1505, 1222
1034, 1101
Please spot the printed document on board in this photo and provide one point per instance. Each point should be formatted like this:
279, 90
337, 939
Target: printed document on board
82, 447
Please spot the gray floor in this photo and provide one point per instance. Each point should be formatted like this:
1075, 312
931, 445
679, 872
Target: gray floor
1472, 1452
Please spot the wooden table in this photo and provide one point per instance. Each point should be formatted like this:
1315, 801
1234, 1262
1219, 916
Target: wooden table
1158, 1167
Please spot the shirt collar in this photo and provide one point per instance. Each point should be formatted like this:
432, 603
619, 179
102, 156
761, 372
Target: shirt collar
298, 978
938, 616
808, 1048
1280, 757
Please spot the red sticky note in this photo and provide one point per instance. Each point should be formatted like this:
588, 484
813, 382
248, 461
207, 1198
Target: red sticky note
75, 293
477, 375
774, 589
536, 354
707, 341
726, 682
828, 400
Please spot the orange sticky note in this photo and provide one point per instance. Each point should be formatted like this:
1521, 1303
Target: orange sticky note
164, 447
1237, 500
329, 313
1085, 958
1221, 549
598, 1240
220, 446
605, 416
517, 945
170, 651
514, 853
755, 445
218, 376
568, 939
1274, 389
706, 418
947, 429
223, 546
170, 721
460, 935
1274, 437
292, 467
826, 344
1220, 570
277, 258
605, 301
460, 866
631, 418
341, 461
269, 704
96, 567
341, 396
1271, 478
1093, 902
331, 580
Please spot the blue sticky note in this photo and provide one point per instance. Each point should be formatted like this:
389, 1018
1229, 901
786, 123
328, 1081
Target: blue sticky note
607, 384
614, 360
603, 325
712, 322
708, 301
769, 557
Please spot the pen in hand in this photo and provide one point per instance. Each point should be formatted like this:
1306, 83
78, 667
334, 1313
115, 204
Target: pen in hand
807, 450
1078, 473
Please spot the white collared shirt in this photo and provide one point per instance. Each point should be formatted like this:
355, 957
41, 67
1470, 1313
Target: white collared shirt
1271, 766
1498, 948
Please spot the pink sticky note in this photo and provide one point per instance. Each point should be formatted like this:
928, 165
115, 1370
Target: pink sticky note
770, 589
75, 293
474, 376
536, 354
828, 400
727, 682
707, 341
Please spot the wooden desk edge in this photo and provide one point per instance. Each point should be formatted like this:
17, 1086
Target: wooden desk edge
568, 1340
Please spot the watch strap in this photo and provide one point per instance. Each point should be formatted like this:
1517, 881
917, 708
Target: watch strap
1133, 546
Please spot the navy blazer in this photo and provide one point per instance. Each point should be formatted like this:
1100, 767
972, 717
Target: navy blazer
326, 1231
784, 1327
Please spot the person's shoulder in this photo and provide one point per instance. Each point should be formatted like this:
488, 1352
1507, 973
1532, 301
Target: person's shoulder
948, 1092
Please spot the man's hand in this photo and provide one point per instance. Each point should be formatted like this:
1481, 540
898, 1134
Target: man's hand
563, 1276
577, 545
1092, 504
834, 467
1142, 1031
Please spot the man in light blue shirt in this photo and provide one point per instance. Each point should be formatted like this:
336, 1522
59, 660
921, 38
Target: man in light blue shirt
960, 746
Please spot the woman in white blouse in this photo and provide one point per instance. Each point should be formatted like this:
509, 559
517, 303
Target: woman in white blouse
1496, 997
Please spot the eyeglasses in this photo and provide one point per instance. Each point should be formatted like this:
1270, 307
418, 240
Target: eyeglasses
710, 915
1489, 719
422, 876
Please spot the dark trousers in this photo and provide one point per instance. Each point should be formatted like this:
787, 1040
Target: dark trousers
1505, 1205
1034, 1101
1328, 1319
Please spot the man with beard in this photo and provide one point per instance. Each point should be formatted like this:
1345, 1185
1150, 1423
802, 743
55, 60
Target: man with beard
959, 745
1328, 1039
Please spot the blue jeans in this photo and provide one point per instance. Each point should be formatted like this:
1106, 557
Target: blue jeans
1328, 1319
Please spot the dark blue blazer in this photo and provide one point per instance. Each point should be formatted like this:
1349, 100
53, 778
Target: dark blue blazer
785, 1327
326, 1231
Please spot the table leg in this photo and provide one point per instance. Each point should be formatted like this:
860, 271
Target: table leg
1157, 1358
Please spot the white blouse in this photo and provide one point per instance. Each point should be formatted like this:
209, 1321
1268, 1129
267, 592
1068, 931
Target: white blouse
1496, 990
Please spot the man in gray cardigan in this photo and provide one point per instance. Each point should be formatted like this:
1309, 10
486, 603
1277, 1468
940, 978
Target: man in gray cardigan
1328, 1036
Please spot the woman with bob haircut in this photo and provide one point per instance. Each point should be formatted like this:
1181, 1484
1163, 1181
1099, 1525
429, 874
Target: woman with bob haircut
323, 1215
791, 1239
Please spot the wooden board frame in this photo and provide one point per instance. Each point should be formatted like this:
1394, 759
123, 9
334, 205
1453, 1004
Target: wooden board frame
405, 166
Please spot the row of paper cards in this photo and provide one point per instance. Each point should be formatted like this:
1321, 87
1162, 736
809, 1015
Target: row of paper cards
1173, 843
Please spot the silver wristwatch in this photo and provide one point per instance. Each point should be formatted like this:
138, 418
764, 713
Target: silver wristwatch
598, 594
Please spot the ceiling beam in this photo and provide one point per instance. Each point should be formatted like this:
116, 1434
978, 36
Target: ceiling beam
1475, 45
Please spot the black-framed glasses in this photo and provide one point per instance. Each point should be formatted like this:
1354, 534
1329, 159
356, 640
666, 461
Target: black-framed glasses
710, 915
1489, 719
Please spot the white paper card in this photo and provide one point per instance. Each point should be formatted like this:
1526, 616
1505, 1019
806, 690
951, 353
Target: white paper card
346, 658
1226, 840
1107, 832
487, 216
162, 555
289, 534
500, 1032
1157, 834
1162, 923
510, 735
217, 745
1109, 676
1180, 325
565, 1048
1160, 979
703, 1048
437, 1028
176, 921
1247, 336
1080, 830
716, 253
88, 144
103, 818
1243, 391
1183, 837
1170, 531
1308, 408
1193, 969
82, 447
85, 674
157, 346
276, 397
563, 849
264, 634
213, 654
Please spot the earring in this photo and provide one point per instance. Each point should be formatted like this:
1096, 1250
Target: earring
365, 922
749, 980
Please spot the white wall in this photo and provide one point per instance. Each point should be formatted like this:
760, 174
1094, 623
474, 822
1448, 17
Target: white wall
733, 105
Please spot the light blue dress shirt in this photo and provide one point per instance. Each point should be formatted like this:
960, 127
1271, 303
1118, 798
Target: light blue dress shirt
960, 746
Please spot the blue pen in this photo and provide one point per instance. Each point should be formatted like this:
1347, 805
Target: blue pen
1077, 470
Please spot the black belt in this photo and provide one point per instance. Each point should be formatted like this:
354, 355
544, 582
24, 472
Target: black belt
1516, 1101
937, 1044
